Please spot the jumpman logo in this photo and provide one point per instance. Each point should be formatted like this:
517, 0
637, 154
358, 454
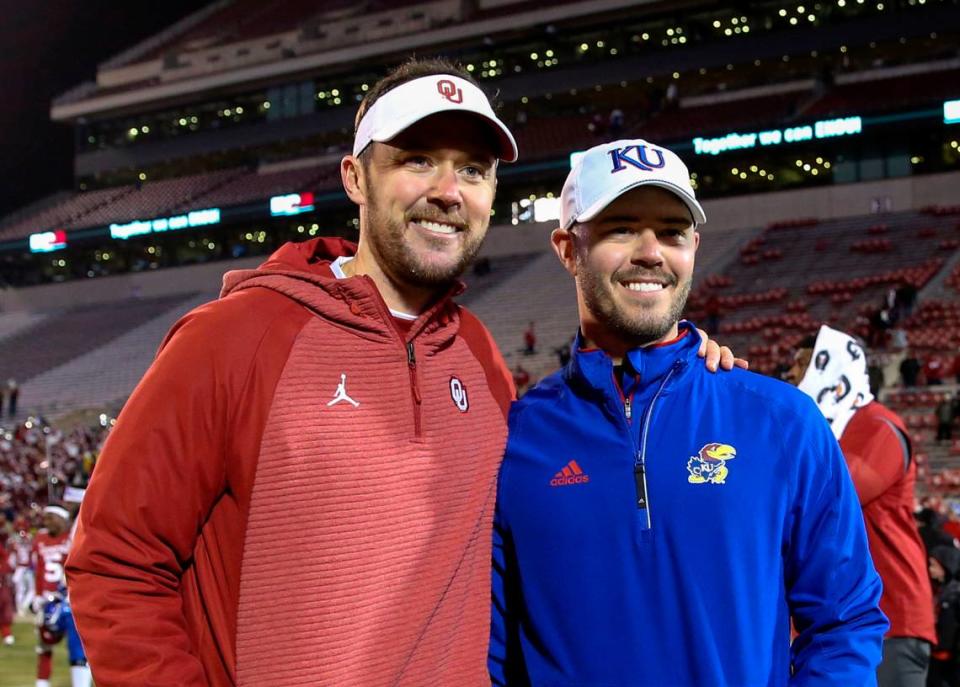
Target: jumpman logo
342, 394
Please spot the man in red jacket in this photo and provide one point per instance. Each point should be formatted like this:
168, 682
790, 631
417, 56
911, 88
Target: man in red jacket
831, 368
338, 385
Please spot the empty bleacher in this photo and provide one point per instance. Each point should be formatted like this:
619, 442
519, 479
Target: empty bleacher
794, 276
158, 198
56, 339
105, 375
12, 323
256, 186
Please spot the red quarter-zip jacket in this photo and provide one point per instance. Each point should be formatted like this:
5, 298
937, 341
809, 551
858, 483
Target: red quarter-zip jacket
296, 495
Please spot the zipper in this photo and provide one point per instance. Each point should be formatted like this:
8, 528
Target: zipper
640, 463
410, 353
414, 387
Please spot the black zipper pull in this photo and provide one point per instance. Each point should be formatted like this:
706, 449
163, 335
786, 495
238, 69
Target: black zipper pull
641, 484
411, 356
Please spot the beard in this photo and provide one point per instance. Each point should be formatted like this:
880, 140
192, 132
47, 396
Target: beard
435, 267
638, 325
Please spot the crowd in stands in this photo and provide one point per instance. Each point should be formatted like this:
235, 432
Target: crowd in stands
38, 460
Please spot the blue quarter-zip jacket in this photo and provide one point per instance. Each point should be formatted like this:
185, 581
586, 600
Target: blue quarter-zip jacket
665, 535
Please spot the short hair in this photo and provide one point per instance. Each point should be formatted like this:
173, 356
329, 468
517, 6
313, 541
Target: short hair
413, 68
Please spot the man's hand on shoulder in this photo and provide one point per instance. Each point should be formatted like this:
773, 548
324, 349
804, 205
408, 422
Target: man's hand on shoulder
717, 355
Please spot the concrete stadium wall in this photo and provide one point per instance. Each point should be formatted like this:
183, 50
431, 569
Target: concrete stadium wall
842, 200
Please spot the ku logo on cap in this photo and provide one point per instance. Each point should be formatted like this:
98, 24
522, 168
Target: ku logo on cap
449, 90
620, 156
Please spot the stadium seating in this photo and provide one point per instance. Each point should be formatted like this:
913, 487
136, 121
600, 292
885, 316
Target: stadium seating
105, 375
54, 340
795, 275
254, 186
874, 95
13, 322
69, 212
158, 198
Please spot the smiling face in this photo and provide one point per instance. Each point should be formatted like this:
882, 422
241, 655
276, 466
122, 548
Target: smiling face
633, 264
425, 199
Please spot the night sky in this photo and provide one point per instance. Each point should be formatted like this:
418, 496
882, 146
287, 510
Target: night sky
47, 47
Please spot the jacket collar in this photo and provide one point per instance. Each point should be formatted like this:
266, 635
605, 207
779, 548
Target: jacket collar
301, 271
592, 368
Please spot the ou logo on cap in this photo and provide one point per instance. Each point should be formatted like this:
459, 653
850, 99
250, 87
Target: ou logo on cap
450, 91
458, 392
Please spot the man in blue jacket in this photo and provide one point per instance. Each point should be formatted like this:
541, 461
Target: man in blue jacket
657, 525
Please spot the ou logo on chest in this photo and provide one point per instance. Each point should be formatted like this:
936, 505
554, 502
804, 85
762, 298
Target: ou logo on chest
458, 392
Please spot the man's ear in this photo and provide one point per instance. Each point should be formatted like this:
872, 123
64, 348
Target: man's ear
352, 176
696, 240
562, 240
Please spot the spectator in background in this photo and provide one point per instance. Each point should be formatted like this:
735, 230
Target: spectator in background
876, 446
906, 300
7, 600
934, 370
521, 378
615, 123
944, 569
931, 523
13, 393
529, 340
875, 375
672, 97
945, 417
910, 369
951, 523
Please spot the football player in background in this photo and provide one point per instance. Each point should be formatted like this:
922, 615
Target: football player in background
54, 619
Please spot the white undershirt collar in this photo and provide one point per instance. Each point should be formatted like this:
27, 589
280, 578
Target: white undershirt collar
337, 268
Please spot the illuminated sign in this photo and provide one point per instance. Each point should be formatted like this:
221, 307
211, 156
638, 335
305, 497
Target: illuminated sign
197, 218
291, 204
951, 112
48, 241
826, 128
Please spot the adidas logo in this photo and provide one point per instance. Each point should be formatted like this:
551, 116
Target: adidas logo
571, 474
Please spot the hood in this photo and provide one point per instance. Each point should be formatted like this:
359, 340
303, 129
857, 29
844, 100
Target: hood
949, 558
301, 272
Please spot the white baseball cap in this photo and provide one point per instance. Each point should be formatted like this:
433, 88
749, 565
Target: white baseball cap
408, 103
607, 171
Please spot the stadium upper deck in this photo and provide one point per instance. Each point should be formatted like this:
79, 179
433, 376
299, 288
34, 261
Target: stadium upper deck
241, 102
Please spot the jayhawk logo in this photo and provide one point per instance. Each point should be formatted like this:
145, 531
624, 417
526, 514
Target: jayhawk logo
711, 464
